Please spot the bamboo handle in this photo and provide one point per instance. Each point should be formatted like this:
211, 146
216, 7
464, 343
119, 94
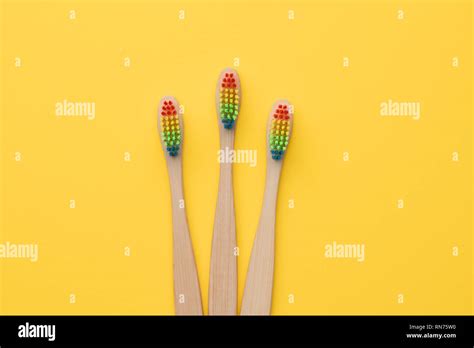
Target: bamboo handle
223, 272
257, 296
187, 295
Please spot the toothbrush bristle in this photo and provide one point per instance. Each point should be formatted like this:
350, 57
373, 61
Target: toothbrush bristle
170, 128
280, 130
229, 99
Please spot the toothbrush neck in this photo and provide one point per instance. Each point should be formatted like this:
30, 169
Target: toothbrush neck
176, 182
225, 155
227, 139
271, 183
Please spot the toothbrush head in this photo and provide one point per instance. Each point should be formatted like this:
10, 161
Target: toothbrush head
170, 126
281, 124
228, 93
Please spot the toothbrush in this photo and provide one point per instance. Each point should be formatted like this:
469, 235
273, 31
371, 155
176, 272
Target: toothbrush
187, 296
223, 273
257, 296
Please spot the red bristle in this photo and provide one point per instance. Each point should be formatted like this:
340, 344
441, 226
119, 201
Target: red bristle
168, 112
223, 85
234, 85
284, 106
226, 74
287, 117
163, 113
280, 106
275, 116
174, 112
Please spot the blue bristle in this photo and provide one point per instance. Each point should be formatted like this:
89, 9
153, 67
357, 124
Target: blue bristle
228, 123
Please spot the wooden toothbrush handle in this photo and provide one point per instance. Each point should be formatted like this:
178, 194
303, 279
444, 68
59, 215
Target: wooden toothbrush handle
223, 272
187, 294
257, 298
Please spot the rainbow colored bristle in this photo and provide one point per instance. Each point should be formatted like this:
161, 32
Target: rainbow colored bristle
229, 99
170, 129
280, 130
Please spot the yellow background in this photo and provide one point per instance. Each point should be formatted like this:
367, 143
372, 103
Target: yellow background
127, 204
